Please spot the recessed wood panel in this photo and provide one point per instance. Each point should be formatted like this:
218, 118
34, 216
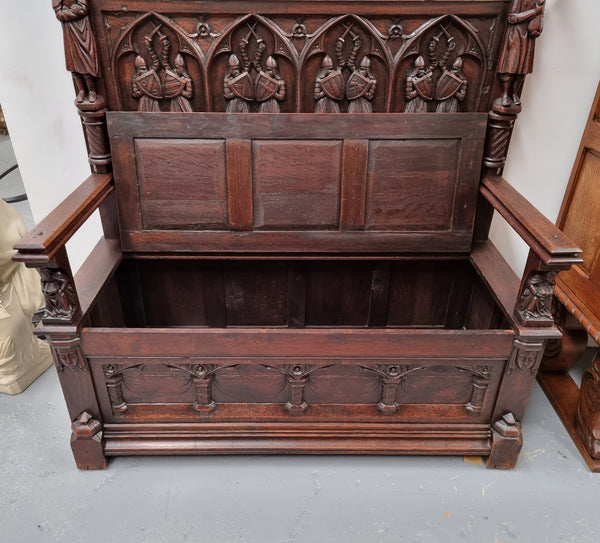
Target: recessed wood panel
584, 210
406, 192
296, 183
182, 183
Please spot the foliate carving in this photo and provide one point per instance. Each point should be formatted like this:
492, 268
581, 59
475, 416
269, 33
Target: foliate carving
481, 381
203, 30
535, 302
81, 51
68, 354
525, 22
62, 305
525, 357
114, 379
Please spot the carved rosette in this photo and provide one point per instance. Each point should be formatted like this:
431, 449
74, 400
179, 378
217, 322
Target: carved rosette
62, 305
68, 354
534, 307
525, 357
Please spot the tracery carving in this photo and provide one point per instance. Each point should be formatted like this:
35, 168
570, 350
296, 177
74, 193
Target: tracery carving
81, 50
62, 304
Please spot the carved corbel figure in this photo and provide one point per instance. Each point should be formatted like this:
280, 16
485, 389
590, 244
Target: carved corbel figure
525, 22
270, 87
81, 51
61, 299
535, 302
360, 89
419, 87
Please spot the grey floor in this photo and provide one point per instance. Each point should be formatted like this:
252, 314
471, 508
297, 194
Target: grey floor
549, 497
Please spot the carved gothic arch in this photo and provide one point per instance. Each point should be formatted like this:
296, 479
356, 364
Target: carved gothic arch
130, 45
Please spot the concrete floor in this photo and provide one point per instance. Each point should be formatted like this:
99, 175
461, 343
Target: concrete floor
549, 497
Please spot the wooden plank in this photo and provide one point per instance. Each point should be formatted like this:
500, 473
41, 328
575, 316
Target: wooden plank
348, 343
563, 394
58, 227
239, 184
354, 184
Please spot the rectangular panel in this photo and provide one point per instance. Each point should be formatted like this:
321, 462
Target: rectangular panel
296, 183
411, 184
182, 183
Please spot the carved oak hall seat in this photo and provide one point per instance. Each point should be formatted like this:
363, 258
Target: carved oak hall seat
296, 198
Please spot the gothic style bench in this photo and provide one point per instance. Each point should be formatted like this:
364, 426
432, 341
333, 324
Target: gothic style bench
296, 199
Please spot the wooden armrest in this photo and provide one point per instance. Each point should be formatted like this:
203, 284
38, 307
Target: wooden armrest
545, 239
42, 242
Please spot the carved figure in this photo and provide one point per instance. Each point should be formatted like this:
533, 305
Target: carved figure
536, 299
146, 86
237, 87
360, 89
451, 88
178, 86
419, 87
81, 51
525, 22
61, 301
329, 87
270, 87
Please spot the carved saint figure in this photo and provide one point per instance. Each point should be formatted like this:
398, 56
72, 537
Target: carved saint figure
178, 86
270, 87
419, 87
536, 299
146, 86
451, 88
525, 20
329, 88
61, 301
81, 51
360, 89
237, 87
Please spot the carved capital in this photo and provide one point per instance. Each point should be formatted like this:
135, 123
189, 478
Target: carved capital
525, 357
68, 354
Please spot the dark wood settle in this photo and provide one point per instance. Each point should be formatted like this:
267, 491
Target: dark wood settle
296, 199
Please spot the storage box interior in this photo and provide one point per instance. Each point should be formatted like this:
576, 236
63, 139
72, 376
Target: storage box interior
295, 293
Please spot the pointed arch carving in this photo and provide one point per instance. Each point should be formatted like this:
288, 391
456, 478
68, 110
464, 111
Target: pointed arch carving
347, 40
440, 42
180, 76
253, 40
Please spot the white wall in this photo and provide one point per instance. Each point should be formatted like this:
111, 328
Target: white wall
37, 97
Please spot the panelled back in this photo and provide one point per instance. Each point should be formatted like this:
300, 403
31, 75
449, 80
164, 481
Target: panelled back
291, 183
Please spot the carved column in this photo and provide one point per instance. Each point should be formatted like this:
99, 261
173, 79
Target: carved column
93, 119
297, 379
114, 381
391, 377
481, 381
202, 379
499, 131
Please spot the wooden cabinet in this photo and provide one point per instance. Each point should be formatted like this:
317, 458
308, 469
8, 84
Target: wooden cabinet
296, 199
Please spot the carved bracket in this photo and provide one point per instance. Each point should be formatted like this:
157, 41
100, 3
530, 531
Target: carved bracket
525, 357
62, 304
534, 307
68, 354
